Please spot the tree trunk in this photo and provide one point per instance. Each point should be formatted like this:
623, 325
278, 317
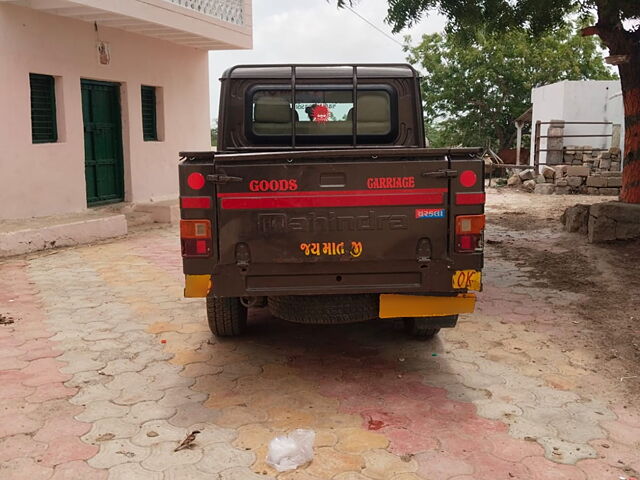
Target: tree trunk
630, 77
625, 44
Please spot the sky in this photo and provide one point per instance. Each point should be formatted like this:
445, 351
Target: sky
316, 31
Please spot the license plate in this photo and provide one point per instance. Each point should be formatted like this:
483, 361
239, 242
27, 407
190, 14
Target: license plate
468, 279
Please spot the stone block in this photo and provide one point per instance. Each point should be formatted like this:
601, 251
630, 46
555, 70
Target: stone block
610, 191
548, 172
588, 158
562, 190
577, 171
527, 174
612, 174
554, 158
593, 191
540, 179
561, 170
575, 182
601, 229
605, 164
627, 231
615, 151
620, 212
616, 136
596, 181
577, 161
614, 220
615, 166
568, 157
605, 155
514, 180
576, 218
555, 144
614, 181
545, 188
562, 182
529, 185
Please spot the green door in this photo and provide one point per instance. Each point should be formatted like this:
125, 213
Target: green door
102, 142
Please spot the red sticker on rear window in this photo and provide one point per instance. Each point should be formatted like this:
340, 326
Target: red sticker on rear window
320, 113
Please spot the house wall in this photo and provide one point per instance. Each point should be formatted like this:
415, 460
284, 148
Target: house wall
579, 101
48, 179
548, 104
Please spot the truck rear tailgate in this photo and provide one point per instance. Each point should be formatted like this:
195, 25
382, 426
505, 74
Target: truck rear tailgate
313, 222
343, 212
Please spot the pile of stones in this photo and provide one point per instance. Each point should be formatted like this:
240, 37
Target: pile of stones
607, 161
582, 171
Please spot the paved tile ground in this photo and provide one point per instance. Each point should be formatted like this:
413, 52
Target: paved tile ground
107, 368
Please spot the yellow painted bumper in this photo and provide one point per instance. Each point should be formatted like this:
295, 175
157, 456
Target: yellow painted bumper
395, 306
197, 285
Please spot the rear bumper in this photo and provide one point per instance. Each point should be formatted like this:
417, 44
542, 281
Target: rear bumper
397, 306
196, 286
391, 305
335, 278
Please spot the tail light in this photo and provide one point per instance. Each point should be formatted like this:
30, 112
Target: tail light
196, 180
195, 237
468, 178
469, 233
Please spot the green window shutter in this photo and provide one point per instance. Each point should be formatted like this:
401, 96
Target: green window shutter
149, 117
44, 128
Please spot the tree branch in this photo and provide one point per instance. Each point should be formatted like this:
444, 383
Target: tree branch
590, 31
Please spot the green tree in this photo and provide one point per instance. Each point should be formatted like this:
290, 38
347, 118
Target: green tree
214, 134
474, 87
616, 25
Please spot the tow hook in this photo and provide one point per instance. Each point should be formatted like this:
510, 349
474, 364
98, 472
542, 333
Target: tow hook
243, 257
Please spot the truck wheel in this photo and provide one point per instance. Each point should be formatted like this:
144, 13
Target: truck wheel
420, 327
325, 309
227, 316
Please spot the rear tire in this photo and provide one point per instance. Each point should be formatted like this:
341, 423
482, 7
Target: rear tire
420, 327
227, 316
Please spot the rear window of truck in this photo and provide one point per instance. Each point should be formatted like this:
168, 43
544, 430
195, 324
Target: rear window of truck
322, 115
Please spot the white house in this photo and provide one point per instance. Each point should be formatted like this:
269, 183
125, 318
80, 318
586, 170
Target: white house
579, 101
99, 96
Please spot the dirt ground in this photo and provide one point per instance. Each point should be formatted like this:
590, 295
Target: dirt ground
105, 368
601, 282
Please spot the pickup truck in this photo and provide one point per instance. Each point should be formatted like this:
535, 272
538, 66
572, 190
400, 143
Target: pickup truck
323, 204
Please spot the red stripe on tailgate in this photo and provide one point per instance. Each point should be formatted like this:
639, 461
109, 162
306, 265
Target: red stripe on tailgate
470, 198
304, 193
196, 202
344, 198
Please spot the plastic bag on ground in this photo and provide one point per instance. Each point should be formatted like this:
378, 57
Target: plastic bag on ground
288, 452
